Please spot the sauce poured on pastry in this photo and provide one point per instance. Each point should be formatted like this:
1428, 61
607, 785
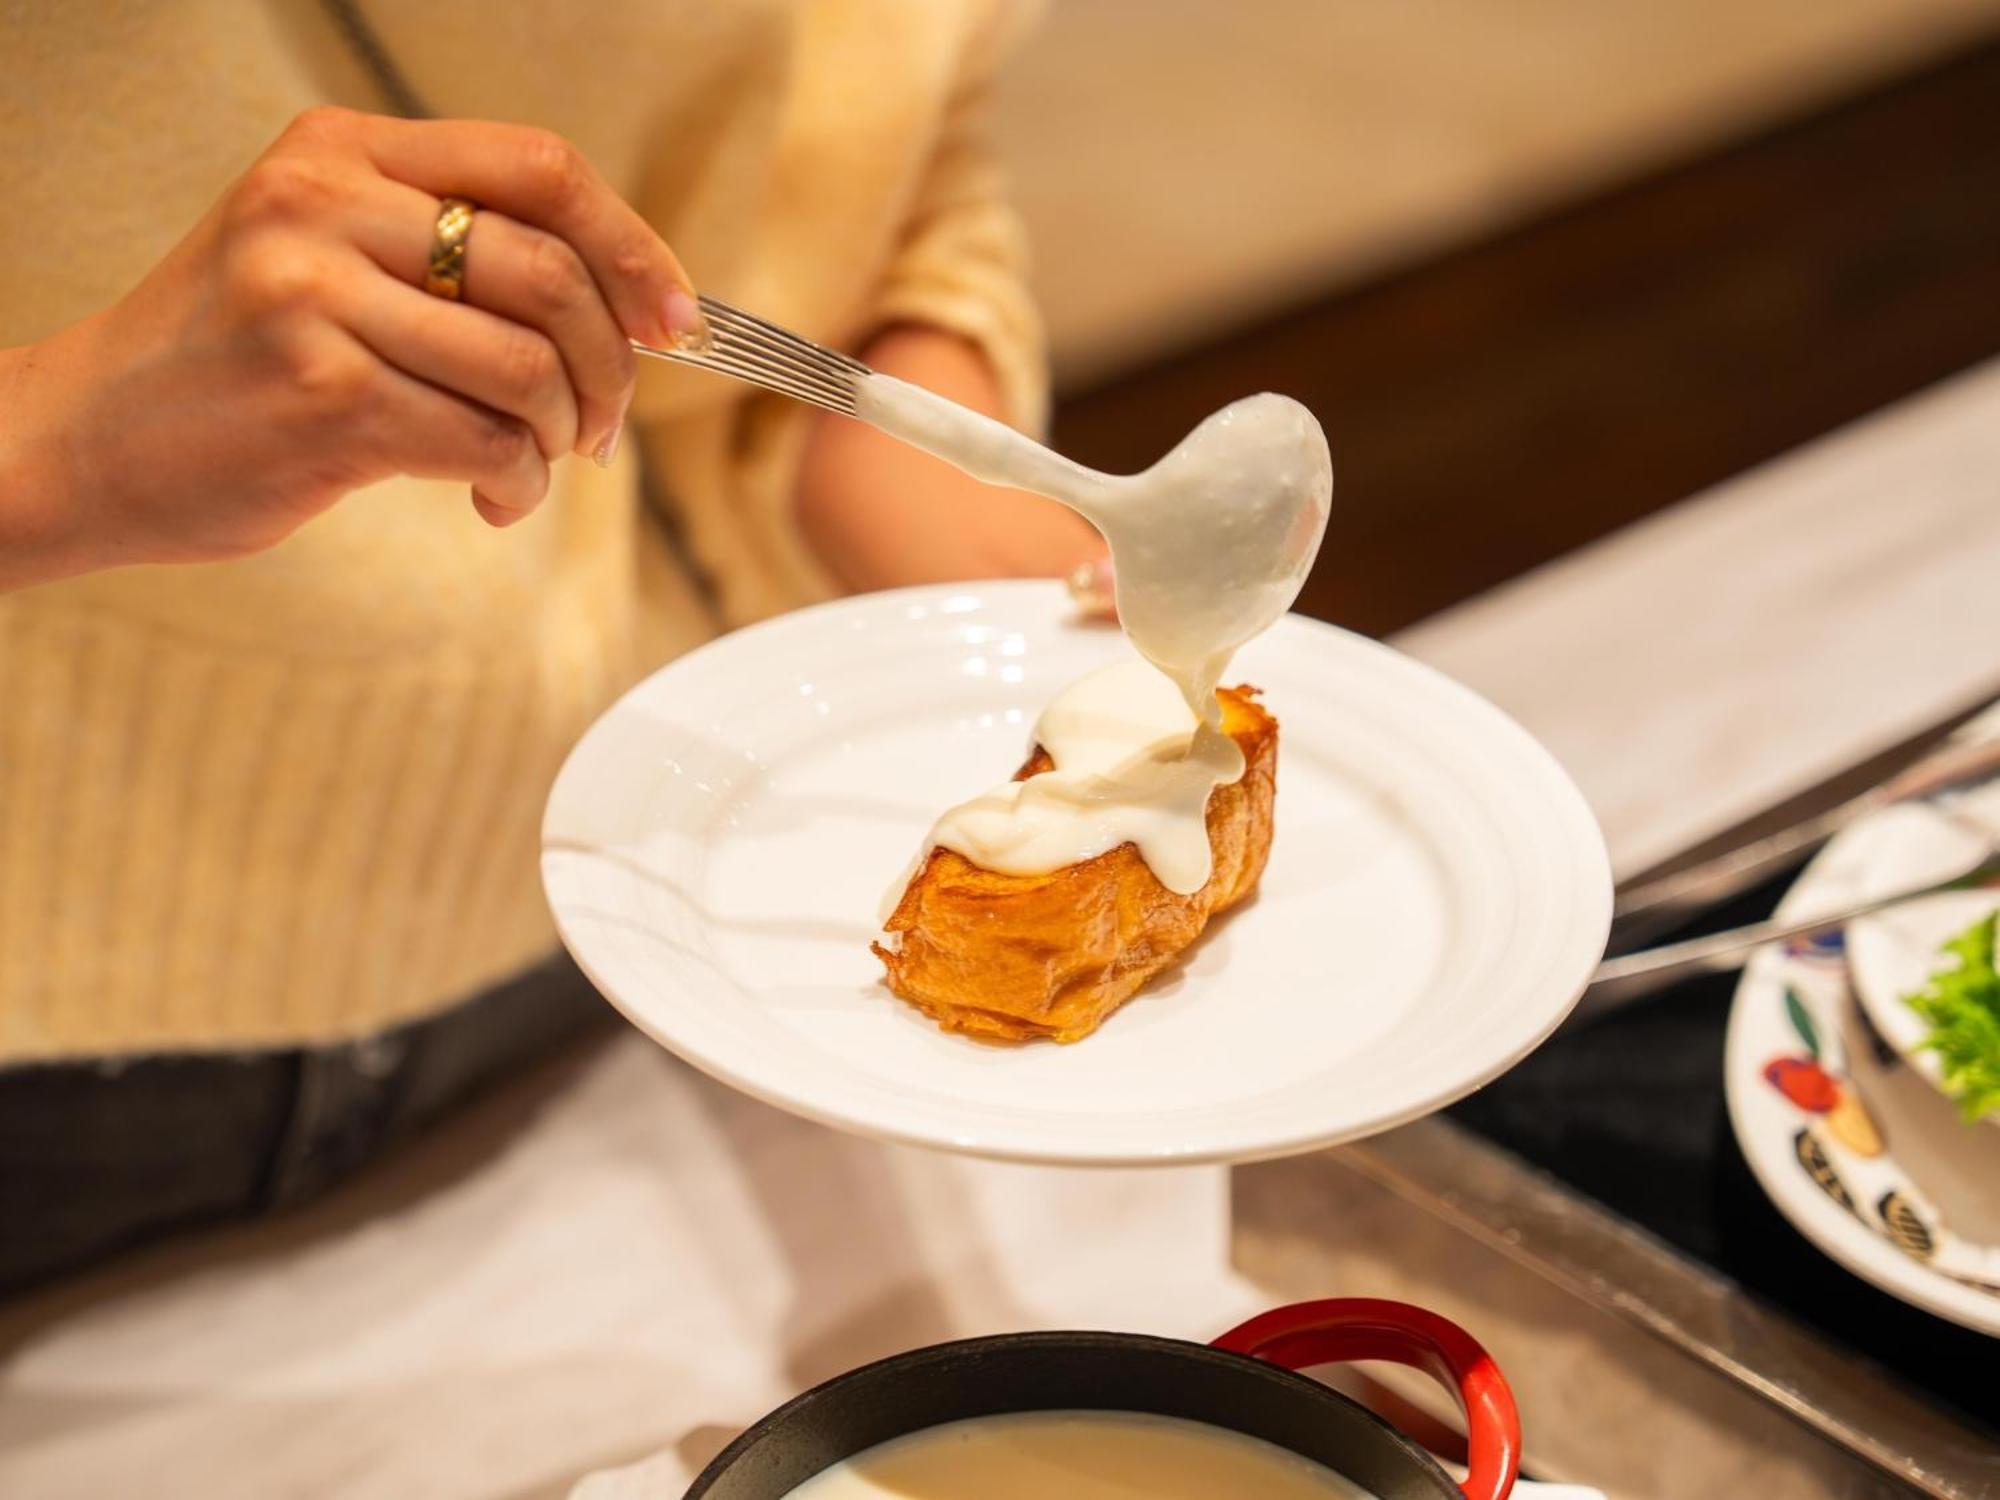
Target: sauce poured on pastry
1210, 546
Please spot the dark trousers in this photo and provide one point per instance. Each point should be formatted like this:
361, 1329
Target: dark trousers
99, 1156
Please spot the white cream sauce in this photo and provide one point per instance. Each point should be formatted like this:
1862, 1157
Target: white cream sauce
1077, 1455
1209, 547
1133, 765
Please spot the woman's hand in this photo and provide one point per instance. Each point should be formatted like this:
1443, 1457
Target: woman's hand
285, 352
881, 514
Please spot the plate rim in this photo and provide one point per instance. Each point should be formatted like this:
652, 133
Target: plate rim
1582, 839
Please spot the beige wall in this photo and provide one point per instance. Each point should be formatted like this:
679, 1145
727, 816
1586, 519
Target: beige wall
1185, 164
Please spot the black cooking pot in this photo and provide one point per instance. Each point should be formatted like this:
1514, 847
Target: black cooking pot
1244, 1381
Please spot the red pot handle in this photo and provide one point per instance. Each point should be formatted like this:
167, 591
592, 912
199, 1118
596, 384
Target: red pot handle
1342, 1329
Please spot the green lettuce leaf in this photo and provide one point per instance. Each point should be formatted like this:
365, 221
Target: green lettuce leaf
1961, 1004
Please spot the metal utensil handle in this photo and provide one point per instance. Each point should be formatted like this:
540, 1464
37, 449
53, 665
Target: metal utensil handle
1655, 903
759, 352
1634, 973
1954, 766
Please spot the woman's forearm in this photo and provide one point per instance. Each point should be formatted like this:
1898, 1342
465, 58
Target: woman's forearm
881, 514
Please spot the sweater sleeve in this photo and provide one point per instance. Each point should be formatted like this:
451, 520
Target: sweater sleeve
953, 258
962, 261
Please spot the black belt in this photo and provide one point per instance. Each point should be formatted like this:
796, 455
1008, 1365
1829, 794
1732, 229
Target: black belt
99, 1155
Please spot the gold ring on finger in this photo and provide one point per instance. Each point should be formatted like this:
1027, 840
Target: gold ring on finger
446, 277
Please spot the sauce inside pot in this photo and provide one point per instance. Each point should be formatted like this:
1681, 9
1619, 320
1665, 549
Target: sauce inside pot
1077, 1455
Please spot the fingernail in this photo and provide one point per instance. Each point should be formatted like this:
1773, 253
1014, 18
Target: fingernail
607, 449
686, 327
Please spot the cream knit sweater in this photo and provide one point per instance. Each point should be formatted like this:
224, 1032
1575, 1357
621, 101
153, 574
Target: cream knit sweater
294, 798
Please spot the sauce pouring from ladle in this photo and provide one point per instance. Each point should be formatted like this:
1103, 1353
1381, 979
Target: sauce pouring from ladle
1209, 546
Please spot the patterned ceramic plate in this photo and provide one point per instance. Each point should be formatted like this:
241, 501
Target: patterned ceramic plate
1854, 1142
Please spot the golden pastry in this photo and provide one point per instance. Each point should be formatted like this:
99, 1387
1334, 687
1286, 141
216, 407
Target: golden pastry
1016, 957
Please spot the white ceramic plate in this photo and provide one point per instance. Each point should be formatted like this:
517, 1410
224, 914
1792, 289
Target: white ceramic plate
717, 847
1840, 1123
